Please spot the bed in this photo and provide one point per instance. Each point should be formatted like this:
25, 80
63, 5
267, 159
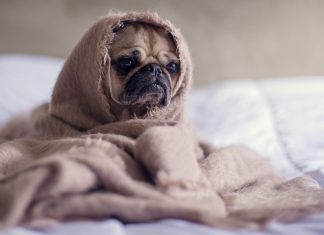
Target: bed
282, 118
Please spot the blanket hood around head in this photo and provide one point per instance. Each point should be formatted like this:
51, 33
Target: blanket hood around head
81, 98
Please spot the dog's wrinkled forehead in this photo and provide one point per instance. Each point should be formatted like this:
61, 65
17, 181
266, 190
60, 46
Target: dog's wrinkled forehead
145, 39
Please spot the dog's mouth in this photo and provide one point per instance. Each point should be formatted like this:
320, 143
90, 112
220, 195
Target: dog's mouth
155, 94
147, 90
152, 94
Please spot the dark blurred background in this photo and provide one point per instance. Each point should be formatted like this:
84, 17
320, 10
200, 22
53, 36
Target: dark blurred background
228, 38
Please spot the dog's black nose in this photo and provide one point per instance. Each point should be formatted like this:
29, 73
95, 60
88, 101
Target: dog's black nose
153, 68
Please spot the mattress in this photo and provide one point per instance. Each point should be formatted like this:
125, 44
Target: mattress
281, 118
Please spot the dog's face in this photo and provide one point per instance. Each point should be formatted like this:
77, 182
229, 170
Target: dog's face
144, 67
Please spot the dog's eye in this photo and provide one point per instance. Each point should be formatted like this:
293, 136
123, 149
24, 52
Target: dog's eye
172, 67
125, 64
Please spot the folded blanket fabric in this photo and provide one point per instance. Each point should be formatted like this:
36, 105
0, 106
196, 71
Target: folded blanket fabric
78, 161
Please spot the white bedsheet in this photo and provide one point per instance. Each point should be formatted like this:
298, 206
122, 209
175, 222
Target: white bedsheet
283, 119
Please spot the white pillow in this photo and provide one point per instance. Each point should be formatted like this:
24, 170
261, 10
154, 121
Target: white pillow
25, 81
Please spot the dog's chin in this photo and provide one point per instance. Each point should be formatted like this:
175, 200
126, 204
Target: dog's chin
151, 95
147, 98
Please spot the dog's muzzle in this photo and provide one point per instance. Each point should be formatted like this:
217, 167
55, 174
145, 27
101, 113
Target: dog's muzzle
148, 86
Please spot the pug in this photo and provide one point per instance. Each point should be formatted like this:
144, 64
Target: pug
144, 68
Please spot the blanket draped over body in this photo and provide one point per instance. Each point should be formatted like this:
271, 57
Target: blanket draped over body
72, 159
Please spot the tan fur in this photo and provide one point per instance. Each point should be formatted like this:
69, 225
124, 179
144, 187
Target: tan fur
81, 160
